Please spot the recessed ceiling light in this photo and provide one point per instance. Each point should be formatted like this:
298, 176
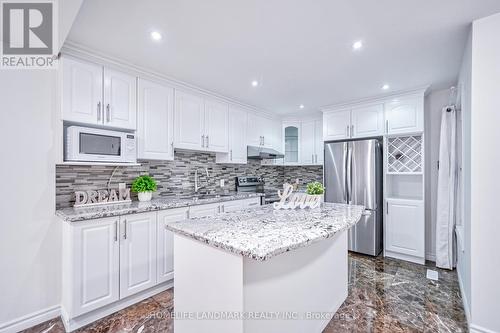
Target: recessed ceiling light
357, 45
385, 87
155, 35
301, 106
255, 83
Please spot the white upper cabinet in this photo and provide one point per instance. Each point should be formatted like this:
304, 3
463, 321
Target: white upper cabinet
307, 144
237, 138
155, 121
217, 126
95, 265
137, 253
94, 95
291, 137
119, 98
189, 118
319, 143
405, 115
200, 124
336, 125
264, 132
367, 121
82, 89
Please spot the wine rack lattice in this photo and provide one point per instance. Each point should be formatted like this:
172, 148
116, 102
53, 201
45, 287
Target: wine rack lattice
404, 154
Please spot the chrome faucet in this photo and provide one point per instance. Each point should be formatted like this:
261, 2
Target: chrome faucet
196, 186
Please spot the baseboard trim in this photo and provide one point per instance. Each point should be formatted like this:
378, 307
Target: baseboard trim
71, 324
31, 319
465, 300
478, 329
405, 257
430, 257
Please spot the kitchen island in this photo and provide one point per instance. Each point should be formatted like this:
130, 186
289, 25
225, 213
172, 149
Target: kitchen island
261, 270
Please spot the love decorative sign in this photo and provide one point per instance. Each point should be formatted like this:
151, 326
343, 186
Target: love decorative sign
290, 200
101, 197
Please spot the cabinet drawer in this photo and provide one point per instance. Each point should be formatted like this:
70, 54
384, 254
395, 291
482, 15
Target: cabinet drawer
204, 210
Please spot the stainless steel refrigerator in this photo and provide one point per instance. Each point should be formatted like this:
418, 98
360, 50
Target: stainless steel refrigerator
353, 174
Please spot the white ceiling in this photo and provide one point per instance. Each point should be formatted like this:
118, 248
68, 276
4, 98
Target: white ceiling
300, 51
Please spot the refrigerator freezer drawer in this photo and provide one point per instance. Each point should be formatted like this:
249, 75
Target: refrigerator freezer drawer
366, 235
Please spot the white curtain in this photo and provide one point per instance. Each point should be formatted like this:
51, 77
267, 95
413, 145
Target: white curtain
447, 190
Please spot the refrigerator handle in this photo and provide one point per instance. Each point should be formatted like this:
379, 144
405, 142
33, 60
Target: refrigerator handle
349, 172
346, 150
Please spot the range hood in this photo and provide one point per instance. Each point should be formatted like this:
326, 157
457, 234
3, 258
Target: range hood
261, 153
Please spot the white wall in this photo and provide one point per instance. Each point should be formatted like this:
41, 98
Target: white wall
464, 245
434, 103
485, 174
30, 237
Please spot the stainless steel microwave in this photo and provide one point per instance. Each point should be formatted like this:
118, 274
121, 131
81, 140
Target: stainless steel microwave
84, 144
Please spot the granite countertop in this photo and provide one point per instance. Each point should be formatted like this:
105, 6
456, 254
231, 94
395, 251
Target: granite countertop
95, 212
262, 233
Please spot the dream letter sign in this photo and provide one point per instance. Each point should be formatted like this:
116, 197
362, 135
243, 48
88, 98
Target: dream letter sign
101, 197
290, 200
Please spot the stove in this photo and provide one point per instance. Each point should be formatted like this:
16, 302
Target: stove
256, 185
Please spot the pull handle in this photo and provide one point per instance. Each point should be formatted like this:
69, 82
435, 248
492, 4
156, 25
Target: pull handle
352, 130
203, 141
387, 210
387, 126
108, 113
99, 111
231, 155
125, 229
208, 142
116, 231
172, 146
347, 131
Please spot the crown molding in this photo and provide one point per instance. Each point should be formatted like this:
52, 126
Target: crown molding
77, 50
423, 90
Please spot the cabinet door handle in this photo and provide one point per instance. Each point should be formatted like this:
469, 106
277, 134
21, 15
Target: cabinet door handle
203, 141
387, 126
116, 231
352, 130
207, 142
172, 146
231, 155
125, 229
99, 111
108, 113
312, 158
263, 140
387, 210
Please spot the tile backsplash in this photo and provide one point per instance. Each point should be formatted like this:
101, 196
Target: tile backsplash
175, 177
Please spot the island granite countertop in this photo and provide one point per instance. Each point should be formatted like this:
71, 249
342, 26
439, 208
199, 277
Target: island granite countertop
263, 232
96, 212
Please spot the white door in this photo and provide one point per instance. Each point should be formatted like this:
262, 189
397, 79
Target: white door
319, 143
155, 121
405, 228
82, 99
204, 210
307, 140
217, 126
137, 253
165, 249
255, 129
120, 99
405, 116
336, 125
237, 136
367, 121
96, 261
189, 118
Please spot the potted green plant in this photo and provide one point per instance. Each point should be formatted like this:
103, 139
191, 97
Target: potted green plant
316, 189
144, 186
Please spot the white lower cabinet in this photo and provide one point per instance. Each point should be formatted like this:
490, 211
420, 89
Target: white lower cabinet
233, 206
165, 252
405, 230
137, 253
94, 260
204, 210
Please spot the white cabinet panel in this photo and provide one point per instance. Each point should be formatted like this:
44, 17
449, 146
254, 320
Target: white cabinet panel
216, 126
255, 130
405, 115
319, 143
307, 138
252, 202
367, 121
405, 227
82, 88
237, 138
189, 118
95, 263
232, 206
336, 125
120, 99
137, 253
155, 121
204, 210
165, 252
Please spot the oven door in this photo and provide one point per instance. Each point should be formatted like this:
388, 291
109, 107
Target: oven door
96, 145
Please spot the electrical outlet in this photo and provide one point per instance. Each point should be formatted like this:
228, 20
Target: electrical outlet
122, 186
222, 182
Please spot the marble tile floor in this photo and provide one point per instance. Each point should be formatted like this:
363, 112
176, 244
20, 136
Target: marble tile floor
385, 295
